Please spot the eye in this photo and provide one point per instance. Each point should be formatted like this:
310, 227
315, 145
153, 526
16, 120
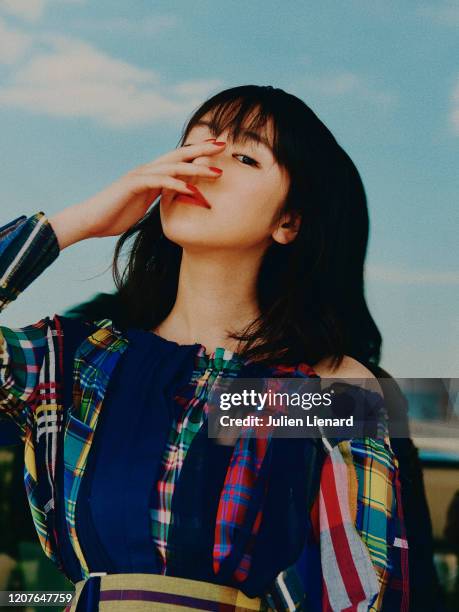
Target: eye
252, 162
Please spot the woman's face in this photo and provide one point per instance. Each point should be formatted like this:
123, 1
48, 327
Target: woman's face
245, 198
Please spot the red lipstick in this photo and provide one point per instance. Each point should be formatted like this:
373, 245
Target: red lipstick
198, 199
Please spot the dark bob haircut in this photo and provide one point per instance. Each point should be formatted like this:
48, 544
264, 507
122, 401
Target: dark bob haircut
310, 291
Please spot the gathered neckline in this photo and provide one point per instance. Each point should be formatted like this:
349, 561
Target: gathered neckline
220, 358
219, 351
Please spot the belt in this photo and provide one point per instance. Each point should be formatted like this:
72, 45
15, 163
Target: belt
147, 592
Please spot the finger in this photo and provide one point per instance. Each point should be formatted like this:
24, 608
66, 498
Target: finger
180, 168
188, 152
156, 181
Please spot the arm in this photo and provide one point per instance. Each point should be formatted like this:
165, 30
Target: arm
358, 515
378, 516
361, 521
27, 247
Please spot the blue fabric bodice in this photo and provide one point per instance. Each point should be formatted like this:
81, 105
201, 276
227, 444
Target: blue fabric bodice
112, 513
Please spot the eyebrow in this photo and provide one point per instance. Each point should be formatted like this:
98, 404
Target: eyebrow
248, 135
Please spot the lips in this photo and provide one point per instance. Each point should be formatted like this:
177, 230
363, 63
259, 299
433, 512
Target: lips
197, 199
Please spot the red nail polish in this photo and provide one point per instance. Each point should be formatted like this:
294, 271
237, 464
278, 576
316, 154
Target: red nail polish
215, 169
219, 143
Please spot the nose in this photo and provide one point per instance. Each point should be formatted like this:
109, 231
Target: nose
214, 160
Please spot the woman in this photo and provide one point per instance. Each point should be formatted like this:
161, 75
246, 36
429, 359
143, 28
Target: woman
256, 273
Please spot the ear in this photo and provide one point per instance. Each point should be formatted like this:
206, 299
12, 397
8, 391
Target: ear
288, 227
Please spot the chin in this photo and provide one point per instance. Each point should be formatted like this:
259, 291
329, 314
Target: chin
186, 234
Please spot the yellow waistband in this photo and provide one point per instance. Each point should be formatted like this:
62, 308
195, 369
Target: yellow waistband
147, 592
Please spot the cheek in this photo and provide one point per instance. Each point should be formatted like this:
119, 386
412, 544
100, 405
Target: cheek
243, 214
250, 205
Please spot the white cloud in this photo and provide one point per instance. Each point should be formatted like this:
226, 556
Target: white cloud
13, 44
347, 83
455, 108
443, 13
404, 276
73, 59
68, 77
30, 10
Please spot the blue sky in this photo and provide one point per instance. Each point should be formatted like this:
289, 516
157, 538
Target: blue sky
90, 90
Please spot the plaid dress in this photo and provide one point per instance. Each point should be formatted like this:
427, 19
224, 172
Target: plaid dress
188, 420
308, 524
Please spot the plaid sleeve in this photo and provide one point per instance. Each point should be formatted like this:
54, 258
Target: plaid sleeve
379, 518
359, 523
356, 556
27, 247
22, 351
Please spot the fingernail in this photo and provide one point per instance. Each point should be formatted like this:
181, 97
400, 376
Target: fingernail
209, 139
219, 143
215, 169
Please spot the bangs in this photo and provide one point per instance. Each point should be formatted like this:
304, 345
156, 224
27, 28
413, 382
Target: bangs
238, 115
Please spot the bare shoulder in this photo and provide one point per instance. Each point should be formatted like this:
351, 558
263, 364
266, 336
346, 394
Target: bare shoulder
348, 368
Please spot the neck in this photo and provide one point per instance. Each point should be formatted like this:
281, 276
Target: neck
215, 295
